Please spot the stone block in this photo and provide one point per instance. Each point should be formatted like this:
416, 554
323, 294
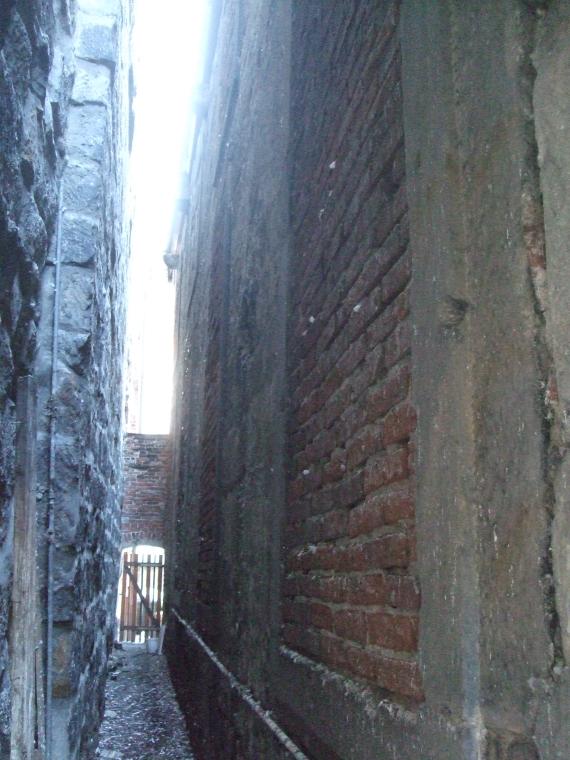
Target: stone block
64, 602
67, 490
87, 132
100, 7
97, 39
83, 188
18, 55
77, 285
80, 239
15, 305
65, 670
6, 362
71, 404
65, 598
7, 434
5, 704
75, 350
33, 237
92, 84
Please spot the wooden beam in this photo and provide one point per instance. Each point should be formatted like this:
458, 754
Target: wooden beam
24, 621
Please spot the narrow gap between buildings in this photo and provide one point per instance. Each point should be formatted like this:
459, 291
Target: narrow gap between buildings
142, 718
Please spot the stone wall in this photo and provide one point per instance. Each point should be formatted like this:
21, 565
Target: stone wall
147, 466
64, 135
87, 398
30, 149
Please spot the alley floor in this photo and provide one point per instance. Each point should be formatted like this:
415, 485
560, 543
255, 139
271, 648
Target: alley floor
142, 718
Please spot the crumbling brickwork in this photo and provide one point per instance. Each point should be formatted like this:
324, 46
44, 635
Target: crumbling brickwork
351, 596
147, 466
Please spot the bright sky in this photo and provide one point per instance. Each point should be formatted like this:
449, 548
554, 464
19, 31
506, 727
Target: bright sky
168, 47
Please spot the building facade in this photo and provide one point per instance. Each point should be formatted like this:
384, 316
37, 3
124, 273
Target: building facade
64, 136
368, 519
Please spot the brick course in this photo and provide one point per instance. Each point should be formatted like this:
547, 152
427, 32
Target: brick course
350, 596
147, 462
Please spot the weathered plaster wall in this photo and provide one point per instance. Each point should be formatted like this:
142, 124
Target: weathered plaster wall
147, 466
485, 388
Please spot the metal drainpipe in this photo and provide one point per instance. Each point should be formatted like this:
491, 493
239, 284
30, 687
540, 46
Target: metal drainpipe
51, 481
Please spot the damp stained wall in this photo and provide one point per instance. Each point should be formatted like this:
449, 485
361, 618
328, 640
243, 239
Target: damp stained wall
439, 203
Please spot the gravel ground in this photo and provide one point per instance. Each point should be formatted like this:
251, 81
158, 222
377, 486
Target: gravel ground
142, 718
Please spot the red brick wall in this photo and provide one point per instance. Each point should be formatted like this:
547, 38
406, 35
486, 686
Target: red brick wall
350, 595
147, 460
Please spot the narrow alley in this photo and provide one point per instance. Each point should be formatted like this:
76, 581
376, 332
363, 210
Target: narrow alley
142, 719
284, 380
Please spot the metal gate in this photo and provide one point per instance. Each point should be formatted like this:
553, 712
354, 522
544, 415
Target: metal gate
141, 598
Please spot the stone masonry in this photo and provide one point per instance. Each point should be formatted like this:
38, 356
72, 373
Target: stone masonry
63, 139
28, 206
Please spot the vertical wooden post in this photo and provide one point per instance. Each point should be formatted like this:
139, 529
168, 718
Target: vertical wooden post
159, 594
140, 582
123, 596
134, 605
155, 591
147, 620
129, 617
24, 622
129, 601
